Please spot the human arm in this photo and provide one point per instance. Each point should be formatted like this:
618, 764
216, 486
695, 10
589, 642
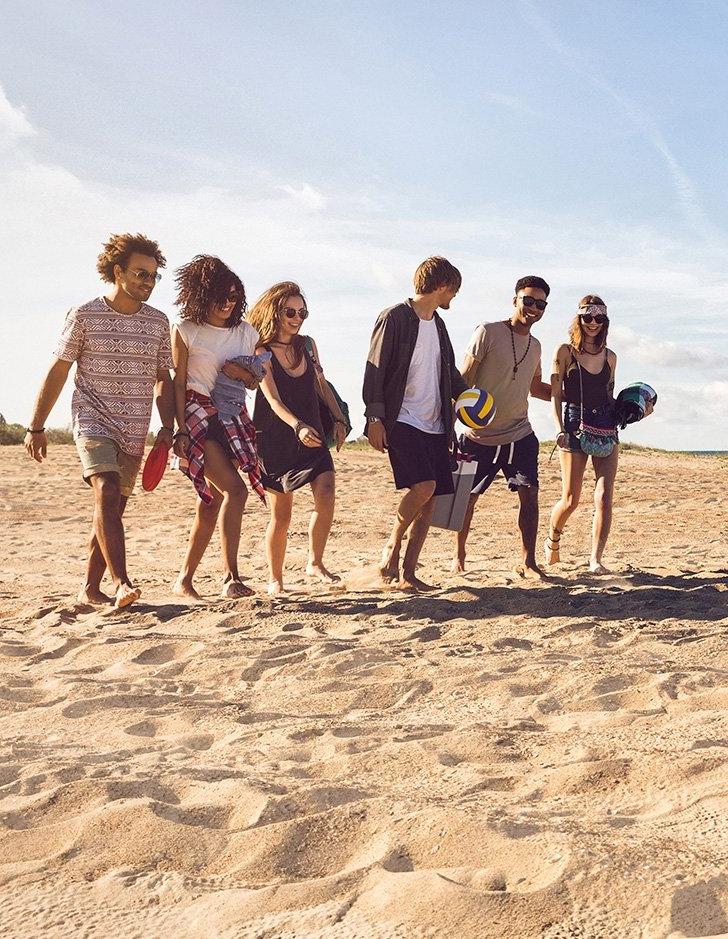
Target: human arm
539, 388
164, 398
305, 433
469, 369
180, 356
558, 372
341, 425
239, 373
380, 354
612, 359
36, 444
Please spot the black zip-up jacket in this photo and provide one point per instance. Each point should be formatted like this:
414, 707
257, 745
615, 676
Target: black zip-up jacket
390, 353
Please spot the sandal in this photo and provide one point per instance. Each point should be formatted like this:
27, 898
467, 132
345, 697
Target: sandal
551, 546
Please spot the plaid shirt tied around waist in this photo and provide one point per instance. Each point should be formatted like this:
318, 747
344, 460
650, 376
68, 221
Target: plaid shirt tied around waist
240, 432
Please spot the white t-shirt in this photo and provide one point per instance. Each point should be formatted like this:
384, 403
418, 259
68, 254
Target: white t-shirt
210, 347
421, 407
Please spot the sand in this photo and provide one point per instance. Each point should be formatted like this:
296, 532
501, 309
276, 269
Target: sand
498, 759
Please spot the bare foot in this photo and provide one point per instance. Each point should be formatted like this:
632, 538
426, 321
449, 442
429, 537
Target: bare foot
234, 589
389, 568
275, 588
410, 582
531, 572
596, 567
93, 596
126, 595
184, 588
458, 565
320, 572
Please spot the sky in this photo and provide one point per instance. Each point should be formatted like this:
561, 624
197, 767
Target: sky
338, 144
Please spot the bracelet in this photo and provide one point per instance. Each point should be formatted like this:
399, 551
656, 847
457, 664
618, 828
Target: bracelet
299, 425
41, 430
181, 433
337, 421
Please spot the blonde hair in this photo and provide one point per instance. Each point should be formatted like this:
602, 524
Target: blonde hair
265, 315
576, 333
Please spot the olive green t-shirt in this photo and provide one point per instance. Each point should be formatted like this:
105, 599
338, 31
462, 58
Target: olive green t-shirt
492, 349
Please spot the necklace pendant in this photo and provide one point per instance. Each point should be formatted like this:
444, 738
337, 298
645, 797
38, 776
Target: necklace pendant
515, 369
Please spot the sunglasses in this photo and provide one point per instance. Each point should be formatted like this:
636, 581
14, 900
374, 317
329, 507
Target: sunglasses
532, 301
594, 318
146, 276
290, 313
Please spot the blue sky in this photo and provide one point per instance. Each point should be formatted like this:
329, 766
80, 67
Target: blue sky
338, 144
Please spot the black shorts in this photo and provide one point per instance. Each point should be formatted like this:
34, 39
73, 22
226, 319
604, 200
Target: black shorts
517, 461
417, 457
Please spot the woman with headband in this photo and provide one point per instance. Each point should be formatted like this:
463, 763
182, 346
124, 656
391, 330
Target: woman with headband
291, 438
582, 379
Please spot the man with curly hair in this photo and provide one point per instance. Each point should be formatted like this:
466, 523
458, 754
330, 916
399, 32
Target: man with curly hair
121, 348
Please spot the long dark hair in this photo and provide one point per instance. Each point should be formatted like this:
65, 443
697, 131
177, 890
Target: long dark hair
206, 282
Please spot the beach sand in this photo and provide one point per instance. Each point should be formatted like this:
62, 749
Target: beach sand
497, 759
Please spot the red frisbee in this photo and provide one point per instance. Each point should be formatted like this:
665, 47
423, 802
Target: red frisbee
154, 467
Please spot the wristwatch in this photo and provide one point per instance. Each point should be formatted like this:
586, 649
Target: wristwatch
373, 420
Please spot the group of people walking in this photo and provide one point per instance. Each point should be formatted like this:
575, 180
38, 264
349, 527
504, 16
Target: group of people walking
126, 358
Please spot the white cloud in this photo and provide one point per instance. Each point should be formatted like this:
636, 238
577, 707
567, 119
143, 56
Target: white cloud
14, 123
306, 196
652, 351
354, 253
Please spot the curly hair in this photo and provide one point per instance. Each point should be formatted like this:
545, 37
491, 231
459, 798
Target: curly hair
267, 310
119, 248
205, 282
576, 333
436, 272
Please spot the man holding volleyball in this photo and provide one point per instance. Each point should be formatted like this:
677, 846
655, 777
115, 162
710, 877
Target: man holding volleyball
505, 359
410, 382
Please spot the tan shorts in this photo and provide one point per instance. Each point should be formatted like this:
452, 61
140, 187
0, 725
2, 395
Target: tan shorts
103, 455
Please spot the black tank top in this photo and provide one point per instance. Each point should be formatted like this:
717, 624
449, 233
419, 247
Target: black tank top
278, 447
595, 387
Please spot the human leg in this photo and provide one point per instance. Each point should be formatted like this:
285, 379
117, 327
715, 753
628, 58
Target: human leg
91, 591
220, 471
486, 470
415, 540
324, 496
203, 525
411, 505
276, 537
461, 537
605, 470
109, 531
573, 464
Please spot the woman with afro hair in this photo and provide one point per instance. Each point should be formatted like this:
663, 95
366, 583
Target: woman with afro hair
212, 448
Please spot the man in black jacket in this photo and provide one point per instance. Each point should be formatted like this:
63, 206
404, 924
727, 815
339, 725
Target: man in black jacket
410, 382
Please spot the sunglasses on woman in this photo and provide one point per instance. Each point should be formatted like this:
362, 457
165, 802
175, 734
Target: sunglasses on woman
532, 301
599, 318
290, 313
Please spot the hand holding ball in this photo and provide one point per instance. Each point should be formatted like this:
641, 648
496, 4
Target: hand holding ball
475, 408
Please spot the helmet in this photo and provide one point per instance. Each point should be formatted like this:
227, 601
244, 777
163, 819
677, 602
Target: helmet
632, 402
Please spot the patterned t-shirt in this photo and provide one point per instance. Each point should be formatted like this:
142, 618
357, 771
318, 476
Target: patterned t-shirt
117, 357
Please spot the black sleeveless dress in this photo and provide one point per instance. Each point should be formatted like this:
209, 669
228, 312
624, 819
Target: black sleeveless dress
598, 403
287, 463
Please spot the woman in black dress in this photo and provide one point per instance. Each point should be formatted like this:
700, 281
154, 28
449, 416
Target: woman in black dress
290, 437
582, 380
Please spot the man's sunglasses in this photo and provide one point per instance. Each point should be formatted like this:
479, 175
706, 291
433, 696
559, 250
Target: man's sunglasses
532, 301
146, 276
599, 318
290, 313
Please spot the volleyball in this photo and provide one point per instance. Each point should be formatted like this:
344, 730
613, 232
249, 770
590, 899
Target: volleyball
475, 407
